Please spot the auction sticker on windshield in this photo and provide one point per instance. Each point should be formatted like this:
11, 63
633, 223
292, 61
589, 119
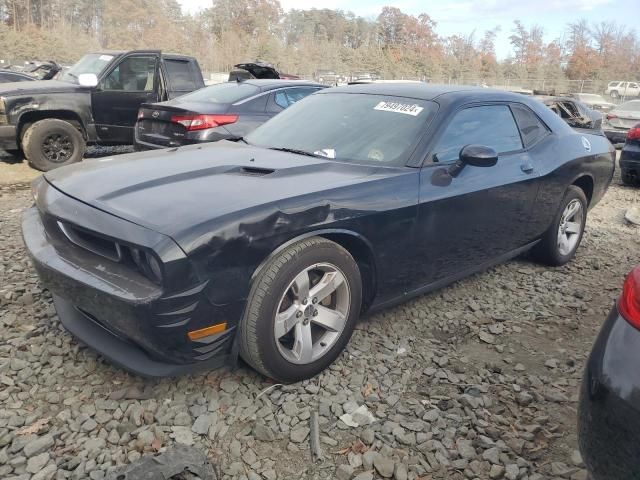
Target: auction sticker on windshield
397, 107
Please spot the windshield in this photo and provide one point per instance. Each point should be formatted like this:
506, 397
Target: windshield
359, 128
229, 92
633, 106
591, 97
91, 63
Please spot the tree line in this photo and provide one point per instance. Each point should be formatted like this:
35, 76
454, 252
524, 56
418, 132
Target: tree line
395, 44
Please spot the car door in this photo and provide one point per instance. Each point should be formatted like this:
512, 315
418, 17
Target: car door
481, 214
118, 96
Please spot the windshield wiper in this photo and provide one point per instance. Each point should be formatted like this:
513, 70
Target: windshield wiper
297, 151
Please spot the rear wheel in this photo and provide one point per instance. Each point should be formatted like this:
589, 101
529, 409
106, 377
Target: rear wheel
52, 143
560, 242
301, 311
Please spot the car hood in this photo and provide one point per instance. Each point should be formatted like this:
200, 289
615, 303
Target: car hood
176, 191
37, 86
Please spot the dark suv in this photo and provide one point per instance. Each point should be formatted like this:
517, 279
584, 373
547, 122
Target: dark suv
95, 101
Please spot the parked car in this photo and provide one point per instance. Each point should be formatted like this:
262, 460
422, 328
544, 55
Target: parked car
618, 89
224, 111
95, 101
619, 120
630, 157
593, 101
575, 113
9, 76
609, 418
353, 199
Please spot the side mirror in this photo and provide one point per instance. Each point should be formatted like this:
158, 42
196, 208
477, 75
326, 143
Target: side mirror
478, 156
87, 80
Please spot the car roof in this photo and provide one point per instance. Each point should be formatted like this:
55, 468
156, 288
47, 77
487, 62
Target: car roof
427, 91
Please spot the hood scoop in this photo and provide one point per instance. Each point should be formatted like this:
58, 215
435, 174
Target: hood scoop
252, 171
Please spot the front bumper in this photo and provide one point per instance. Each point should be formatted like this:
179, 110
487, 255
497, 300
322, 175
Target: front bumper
127, 318
609, 411
8, 138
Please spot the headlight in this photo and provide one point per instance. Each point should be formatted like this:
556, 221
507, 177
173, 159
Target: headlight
148, 264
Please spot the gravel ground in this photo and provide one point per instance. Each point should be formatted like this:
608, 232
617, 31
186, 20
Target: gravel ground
478, 380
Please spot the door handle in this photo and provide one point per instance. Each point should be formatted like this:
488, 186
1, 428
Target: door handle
526, 167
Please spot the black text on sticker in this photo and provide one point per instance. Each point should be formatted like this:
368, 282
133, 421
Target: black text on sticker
396, 107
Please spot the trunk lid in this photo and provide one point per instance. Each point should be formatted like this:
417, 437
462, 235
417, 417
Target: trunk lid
155, 123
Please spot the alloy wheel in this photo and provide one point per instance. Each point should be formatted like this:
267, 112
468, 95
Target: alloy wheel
312, 313
57, 147
570, 227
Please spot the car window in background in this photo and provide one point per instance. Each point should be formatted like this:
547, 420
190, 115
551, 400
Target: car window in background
530, 125
180, 75
91, 63
492, 126
296, 94
281, 99
633, 106
359, 128
133, 74
230, 92
12, 77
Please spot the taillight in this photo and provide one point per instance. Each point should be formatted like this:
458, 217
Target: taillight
629, 303
611, 116
200, 122
140, 114
634, 133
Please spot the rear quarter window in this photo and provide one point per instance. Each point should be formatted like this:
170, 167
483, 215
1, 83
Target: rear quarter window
531, 127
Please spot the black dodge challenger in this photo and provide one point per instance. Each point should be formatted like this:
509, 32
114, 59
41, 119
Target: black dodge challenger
271, 247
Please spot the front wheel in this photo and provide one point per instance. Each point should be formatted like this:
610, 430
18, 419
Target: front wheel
560, 242
52, 143
614, 94
301, 311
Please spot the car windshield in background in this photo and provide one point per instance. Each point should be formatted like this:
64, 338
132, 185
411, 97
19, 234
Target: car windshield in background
358, 128
591, 97
229, 92
91, 63
633, 106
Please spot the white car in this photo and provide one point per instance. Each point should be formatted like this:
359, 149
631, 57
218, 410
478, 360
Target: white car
623, 89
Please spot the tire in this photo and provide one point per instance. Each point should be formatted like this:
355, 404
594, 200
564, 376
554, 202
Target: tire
277, 288
53, 143
548, 250
614, 94
627, 177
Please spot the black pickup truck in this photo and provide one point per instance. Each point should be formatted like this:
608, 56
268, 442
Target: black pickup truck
94, 102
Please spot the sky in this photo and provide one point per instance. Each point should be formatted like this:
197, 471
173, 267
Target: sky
465, 16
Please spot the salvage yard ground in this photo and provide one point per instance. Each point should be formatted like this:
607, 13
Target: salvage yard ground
478, 380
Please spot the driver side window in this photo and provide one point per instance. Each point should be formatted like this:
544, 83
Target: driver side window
133, 74
489, 125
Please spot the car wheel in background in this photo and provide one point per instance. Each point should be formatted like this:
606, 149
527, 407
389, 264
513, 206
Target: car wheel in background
560, 242
302, 309
52, 143
614, 94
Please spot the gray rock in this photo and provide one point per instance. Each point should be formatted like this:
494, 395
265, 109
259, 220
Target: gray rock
512, 472
492, 455
38, 462
229, 385
496, 472
368, 458
344, 472
400, 472
367, 436
39, 445
465, 449
298, 435
182, 419
384, 466
235, 449
364, 476
202, 424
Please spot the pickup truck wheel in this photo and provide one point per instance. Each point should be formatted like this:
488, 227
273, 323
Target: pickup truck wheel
301, 311
52, 143
560, 242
